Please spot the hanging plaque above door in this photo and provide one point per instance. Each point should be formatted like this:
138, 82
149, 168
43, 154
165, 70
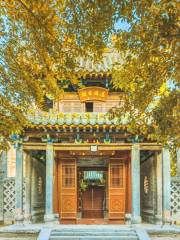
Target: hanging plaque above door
93, 94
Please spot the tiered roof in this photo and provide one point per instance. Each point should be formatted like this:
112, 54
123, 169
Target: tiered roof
76, 119
109, 60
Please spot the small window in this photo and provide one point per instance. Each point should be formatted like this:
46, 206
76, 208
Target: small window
68, 176
89, 106
116, 173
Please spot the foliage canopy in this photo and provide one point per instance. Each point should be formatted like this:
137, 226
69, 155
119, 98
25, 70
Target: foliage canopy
150, 73
40, 42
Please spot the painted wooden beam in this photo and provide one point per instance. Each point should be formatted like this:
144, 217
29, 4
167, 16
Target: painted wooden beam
86, 146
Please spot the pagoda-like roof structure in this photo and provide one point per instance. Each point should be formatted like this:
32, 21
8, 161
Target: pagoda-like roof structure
110, 57
76, 127
40, 118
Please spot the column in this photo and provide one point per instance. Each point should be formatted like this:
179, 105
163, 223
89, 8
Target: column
28, 177
166, 185
158, 217
178, 162
49, 214
135, 176
19, 185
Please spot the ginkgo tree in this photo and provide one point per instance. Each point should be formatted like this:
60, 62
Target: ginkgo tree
40, 42
149, 74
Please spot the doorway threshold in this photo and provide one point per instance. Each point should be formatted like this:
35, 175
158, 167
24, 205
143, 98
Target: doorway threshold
90, 221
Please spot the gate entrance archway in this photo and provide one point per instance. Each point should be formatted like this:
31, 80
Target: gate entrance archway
93, 187
92, 192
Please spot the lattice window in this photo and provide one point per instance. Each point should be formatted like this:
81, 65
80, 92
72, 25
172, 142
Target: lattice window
116, 176
175, 200
68, 175
9, 198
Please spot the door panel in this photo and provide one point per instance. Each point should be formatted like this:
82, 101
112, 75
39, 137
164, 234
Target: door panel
117, 186
68, 189
92, 202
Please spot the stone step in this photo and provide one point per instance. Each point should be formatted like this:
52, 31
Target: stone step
92, 233
115, 237
94, 230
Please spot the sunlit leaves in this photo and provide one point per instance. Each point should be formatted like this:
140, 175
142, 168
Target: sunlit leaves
151, 63
40, 42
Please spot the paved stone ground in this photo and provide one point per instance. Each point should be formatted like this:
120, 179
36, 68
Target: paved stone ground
11, 236
30, 232
166, 237
32, 237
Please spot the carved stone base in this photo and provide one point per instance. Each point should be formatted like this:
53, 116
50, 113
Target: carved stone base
158, 219
19, 219
51, 218
128, 218
136, 219
27, 219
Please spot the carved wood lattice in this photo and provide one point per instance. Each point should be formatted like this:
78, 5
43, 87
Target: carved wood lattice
9, 198
175, 200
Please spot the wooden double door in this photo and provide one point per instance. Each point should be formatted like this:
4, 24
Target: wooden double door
93, 202
92, 199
